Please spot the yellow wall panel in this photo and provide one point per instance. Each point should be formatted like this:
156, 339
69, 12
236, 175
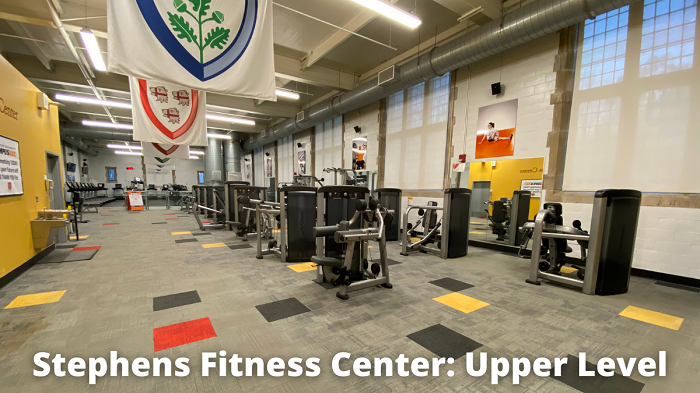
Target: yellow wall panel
37, 132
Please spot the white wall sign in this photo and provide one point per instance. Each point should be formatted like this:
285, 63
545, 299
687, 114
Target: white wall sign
10, 168
534, 186
135, 199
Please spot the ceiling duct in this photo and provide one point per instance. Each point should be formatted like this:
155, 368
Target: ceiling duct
525, 24
106, 134
80, 145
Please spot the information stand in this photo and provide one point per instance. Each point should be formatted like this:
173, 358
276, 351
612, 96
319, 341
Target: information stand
134, 201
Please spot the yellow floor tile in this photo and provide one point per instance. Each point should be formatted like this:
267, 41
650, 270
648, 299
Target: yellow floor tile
477, 233
461, 302
567, 270
414, 239
303, 267
181, 233
652, 317
213, 245
81, 237
35, 299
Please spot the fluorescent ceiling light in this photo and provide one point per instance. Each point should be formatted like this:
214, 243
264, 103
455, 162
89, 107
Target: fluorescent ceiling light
136, 147
107, 124
390, 11
287, 94
196, 152
127, 153
92, 101
93, 49
230, 119
194, 158
219, 136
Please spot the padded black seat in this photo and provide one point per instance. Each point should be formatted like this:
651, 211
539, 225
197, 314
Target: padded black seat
327, 261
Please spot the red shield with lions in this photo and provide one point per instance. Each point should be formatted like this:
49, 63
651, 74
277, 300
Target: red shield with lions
172, 117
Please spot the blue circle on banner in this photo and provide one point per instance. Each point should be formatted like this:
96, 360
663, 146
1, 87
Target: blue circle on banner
212, 68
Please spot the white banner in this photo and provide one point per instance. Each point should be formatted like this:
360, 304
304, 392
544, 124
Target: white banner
10, 168
168, 114
161, 154
220, 46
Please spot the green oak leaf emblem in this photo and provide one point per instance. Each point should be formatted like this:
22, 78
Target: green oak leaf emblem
217, 36
162, 160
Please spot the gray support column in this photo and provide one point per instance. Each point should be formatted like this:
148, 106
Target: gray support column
213, 162
233, 153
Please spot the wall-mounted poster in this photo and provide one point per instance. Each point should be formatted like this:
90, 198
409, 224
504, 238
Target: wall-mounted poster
534, 186
248, 170
359, 151
10, 168
495, 136
268, 166
302, 162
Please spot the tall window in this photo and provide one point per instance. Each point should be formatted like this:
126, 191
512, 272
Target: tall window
285, 159
200, 177
394, 113
328, 152
604, 47
414, 109
111, 175
439, 98
668, 36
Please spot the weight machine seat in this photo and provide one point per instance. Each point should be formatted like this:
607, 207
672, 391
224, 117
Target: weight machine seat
498, 214
297, 188
327, 261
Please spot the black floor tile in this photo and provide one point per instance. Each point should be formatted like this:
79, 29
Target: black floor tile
84, 255
63, 246
240, 246
677, 286
201, 234
156, 223
185, 240
451, 284
282, 309
56, 256
597, 384
444, 342
390, 262
175, 300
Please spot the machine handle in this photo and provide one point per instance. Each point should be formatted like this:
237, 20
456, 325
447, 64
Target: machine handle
325, 231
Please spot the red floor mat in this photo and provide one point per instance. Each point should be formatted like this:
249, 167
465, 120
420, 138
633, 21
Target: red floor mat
182, 333
86, 248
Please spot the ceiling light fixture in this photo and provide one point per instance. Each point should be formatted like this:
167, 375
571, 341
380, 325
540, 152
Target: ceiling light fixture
136, 147
287, 94
90, 42
229, 119
106, 124
219, 136
127, 153
92, 101
390, 11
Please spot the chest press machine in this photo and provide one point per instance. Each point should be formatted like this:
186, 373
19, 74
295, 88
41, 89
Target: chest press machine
450, 233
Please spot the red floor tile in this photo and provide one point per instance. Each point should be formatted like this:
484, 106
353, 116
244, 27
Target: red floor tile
111, 223
86, 248
206, 222
182, 333
171, 219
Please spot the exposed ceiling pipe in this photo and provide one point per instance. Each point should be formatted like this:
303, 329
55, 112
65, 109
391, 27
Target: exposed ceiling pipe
525, 24
80, 145
64, 34
106, 134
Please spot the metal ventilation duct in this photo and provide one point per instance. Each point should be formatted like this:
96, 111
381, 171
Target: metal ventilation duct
233, 153
213, 162
529, 22
98, 133
80, 145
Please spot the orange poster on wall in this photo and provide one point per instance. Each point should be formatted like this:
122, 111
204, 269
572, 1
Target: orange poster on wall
495, 135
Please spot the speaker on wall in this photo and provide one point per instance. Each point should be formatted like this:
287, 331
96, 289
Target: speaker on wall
496, 88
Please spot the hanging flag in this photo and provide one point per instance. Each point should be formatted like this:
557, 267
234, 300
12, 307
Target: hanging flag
220, 46
168, 114
162, 154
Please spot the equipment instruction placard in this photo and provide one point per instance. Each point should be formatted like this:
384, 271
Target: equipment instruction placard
10, 168
534, 186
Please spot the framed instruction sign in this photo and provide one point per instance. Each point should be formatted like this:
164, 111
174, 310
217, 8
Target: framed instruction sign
534, 186
10, 168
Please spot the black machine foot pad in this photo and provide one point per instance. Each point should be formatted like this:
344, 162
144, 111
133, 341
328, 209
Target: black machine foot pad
342, 297
388, 286
533, 282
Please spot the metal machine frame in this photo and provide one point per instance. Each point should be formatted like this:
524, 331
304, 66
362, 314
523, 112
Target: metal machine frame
592, 244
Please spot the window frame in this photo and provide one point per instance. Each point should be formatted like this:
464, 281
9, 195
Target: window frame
107, 169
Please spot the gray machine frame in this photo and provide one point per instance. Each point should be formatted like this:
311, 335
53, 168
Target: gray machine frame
595, 241
201, 207
234, 189
444, 222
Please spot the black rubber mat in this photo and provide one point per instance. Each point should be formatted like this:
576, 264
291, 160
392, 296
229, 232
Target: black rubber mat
451, 284
240, 246
596, 384
56, 256
201, 234
64, 246
185, 240
282, 309
76, 256
156, 223
175, 300
677, 286
444, 342
390, 262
